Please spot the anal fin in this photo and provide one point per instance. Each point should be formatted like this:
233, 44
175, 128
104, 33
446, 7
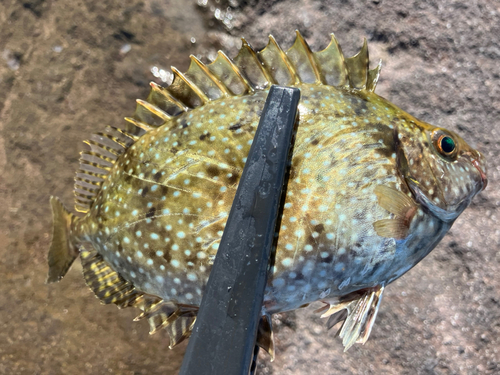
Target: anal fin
265, 337
358, 311
107, 284
110, 287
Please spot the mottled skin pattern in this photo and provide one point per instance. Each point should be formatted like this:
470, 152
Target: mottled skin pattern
160, 215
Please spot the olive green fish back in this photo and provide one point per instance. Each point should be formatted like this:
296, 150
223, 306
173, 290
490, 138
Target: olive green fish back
248, 72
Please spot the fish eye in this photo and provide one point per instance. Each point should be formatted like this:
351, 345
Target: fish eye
446, 145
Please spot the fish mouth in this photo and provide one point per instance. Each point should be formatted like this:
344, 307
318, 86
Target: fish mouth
446, 214
482, 173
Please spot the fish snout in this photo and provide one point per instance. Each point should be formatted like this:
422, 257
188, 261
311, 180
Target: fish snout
479, 163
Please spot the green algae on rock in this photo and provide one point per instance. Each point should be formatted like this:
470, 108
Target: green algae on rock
371, 192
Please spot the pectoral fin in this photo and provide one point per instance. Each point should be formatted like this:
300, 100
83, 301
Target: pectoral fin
401, 206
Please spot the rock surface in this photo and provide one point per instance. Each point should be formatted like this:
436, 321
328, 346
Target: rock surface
69, 68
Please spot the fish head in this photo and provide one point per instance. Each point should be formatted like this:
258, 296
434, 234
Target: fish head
442, 171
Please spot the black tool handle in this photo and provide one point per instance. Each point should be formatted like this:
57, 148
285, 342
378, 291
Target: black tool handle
223, 338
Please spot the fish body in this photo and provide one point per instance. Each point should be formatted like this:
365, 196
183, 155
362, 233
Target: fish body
371, 191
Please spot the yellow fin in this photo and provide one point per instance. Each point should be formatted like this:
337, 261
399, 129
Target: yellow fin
148, 113
276, 62
181, 328
373, 76
357, 67
302, 58
208, 83
229, 74
399, 204
358, 310
265, 336
108, 285
95, 165
331, 63
62, 250
251, 67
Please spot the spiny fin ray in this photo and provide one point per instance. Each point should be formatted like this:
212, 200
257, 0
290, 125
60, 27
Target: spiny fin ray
357, 68
358, 311
110, 287
277, 63
302, 58
331, 64
95, 165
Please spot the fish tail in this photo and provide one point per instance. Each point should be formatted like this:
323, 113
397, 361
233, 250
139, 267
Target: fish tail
62, 250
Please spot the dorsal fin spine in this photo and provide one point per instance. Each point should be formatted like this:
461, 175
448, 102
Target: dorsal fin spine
154, 109
168, 96
331, 63
277, 63
291, 69
373, 76
357, 67
251, 51
235, 68
204, 99
225, 91
309, 54
138, 124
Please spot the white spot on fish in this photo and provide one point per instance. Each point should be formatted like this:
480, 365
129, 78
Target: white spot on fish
287, 262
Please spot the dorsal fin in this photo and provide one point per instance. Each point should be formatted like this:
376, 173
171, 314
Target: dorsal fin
224, 77
251, 67
229, 73
331, 63
303, 60
277, 64
95, 165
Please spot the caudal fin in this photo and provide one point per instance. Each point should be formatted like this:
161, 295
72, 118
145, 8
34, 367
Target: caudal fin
62, 252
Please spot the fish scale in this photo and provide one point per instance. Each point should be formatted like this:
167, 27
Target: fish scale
363, 202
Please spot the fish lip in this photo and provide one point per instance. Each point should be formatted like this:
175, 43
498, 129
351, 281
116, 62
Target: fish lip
484, 179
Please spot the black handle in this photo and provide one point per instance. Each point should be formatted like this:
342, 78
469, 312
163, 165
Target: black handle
223, 338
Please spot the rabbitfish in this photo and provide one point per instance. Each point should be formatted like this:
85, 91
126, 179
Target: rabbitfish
371, 190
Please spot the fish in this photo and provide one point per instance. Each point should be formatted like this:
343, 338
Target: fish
371, 190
